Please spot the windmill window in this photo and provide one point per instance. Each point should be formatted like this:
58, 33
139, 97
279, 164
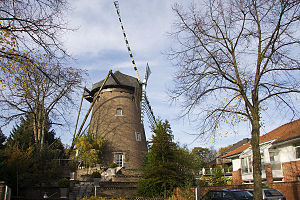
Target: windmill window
118, 159
138, 136
119, 112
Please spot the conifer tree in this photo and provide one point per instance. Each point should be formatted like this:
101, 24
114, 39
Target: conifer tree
24, 164
2, 139
167, 165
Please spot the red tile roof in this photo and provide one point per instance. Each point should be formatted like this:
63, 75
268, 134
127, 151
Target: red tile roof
282, 133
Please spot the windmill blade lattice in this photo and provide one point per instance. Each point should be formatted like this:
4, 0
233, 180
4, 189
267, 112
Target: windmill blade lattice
144, 105
116, 3
149, 112
144, 85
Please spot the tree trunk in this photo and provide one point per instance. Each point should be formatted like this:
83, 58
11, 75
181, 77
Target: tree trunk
43, 121
34, 130
165, 191
256, 157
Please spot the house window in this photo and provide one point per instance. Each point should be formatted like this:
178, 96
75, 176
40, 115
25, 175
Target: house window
298, 152
262, 160
138, 136
119, 112
247, 165
118, 159
274, 159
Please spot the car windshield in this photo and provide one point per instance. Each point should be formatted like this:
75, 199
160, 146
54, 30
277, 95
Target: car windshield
242, 194
272, 193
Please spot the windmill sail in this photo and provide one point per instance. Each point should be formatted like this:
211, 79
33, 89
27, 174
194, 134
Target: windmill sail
149, 112
116, 3
144, 104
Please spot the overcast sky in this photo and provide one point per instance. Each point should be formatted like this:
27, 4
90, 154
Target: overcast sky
98, 46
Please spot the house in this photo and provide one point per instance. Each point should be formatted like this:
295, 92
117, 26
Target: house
280, 156
220, 160
225, 163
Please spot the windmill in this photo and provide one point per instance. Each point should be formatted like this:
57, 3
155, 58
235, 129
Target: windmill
118, 105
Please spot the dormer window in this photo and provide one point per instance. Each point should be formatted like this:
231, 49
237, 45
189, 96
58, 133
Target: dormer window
119, 112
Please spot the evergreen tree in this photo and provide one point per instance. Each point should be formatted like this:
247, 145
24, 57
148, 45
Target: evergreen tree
2, 155
22, 134
26, 164
167, 165
2, 139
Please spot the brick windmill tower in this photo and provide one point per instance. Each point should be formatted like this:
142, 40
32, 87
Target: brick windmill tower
118, 112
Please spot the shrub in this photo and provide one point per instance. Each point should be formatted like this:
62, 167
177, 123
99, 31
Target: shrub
96, 174
100, 198
217, 178
63, 183
113, 165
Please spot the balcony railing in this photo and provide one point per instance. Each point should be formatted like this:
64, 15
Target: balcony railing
210, 171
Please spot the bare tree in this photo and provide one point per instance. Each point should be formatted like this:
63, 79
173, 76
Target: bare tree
30, 92
234, 58
28, 27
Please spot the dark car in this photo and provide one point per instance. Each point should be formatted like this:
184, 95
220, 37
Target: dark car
228, 194
270, 194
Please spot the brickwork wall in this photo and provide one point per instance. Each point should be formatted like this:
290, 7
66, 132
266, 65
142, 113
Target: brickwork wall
116, 190
2, 187
182, 195
269, 174
237, 177
291, 170
119, 130
291, 190
188, 194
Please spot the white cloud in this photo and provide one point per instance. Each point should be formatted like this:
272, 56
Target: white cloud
145, 24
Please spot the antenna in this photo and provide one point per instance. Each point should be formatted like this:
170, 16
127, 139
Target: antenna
116, 3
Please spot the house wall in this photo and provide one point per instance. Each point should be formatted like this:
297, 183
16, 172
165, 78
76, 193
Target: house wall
237, 177
287, 153
291, 190
236, 164
291, 171
290, 166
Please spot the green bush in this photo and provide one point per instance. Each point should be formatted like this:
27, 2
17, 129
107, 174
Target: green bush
113, 165
217, 178
63, 183
201, 183
96, 174
100, 198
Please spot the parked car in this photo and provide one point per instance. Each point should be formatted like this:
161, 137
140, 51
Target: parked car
270, 194
228, 195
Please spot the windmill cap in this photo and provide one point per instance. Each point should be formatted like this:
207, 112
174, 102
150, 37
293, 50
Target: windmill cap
124, 80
